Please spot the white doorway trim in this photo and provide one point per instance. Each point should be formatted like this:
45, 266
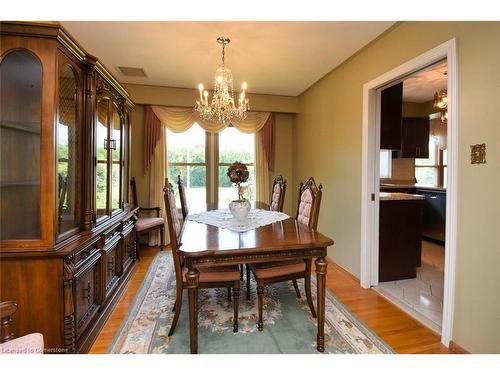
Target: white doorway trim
371, 180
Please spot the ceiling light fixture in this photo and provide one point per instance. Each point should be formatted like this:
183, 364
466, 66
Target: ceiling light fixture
222, 108
441, 104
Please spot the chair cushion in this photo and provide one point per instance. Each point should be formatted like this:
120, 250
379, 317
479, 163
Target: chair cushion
276, 269
216, 274
275, 200
305, 206
29, 344
144, 223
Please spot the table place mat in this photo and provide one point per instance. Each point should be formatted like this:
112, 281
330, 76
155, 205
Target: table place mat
224, 219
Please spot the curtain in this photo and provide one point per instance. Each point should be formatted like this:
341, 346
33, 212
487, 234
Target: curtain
179, 120
267, 137
152, 134
261, 171
156, 182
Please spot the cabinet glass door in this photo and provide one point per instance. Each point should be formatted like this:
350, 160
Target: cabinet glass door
66, 149
20, 124
101, 193
116, 162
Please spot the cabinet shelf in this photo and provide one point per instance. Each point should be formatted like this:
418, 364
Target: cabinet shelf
19, 183
28, 127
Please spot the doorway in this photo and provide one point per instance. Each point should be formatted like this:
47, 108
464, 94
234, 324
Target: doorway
371, 173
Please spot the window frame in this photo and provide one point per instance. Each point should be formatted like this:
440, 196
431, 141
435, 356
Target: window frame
439, 166
219, 164
211, 165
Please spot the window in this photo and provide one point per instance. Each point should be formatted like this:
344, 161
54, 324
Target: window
197, 155
235, 146
385, 163
186, 156
432, 171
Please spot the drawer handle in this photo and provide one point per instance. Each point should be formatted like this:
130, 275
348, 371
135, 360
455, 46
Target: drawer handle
432, 196
87, 290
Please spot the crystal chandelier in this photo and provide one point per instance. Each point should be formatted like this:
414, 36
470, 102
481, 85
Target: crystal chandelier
222, 109
441, 104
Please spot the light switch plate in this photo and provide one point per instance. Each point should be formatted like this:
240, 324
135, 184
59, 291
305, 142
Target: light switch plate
478, 154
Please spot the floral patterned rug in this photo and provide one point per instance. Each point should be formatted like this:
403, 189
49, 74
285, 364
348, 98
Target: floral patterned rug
288, 324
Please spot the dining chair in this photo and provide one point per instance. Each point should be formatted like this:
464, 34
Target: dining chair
277, 200
272, 272
278, 194
182, 196
210, 277
146, 224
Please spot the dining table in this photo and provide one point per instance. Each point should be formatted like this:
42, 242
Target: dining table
208, 245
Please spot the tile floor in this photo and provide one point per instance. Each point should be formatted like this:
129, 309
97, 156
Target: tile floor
421, 297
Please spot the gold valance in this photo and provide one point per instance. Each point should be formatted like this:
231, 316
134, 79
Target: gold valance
179, 120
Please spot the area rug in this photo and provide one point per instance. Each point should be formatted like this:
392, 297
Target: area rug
288, 324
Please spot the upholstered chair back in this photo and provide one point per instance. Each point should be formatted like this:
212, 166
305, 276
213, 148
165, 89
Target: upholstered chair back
174, 224
309, 203
135, 203
182, 196
278, 194
174, 228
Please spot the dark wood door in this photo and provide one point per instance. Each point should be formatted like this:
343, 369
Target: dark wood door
415, 137
391, 112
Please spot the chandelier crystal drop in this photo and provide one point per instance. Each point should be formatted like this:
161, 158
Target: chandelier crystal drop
222, 108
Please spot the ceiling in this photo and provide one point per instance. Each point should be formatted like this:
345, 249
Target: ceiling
281, 58
422, 86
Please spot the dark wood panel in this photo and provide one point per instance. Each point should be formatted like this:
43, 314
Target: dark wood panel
400, 239
415, 138
391, 112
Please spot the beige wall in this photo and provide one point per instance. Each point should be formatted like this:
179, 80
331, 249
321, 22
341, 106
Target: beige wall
283, 157
327, 145
171, 96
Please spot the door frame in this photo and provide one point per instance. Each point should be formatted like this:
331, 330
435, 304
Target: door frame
371, 180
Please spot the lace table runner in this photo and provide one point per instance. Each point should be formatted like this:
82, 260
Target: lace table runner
224, 219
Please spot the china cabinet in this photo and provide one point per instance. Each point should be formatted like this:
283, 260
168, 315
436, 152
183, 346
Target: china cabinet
67, 240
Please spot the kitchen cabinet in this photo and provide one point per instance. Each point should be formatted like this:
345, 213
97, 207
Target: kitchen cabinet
414, 138
391, 113
400, 238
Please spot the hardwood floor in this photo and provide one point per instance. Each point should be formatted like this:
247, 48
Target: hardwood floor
105, 337
403, 333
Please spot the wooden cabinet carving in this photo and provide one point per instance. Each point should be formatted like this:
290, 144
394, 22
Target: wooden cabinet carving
86, 292
65, 216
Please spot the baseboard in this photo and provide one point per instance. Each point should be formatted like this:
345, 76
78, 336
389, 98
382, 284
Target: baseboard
455, 348
343, 270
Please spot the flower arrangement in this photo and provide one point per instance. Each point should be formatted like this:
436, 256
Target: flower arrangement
238, 174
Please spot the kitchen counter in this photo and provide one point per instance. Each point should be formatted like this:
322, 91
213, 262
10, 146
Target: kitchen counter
411, 186
400, 197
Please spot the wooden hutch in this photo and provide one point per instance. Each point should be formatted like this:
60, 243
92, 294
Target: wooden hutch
67, 243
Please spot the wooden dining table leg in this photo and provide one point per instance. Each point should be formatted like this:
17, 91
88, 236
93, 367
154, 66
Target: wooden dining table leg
321, 265
192, 278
